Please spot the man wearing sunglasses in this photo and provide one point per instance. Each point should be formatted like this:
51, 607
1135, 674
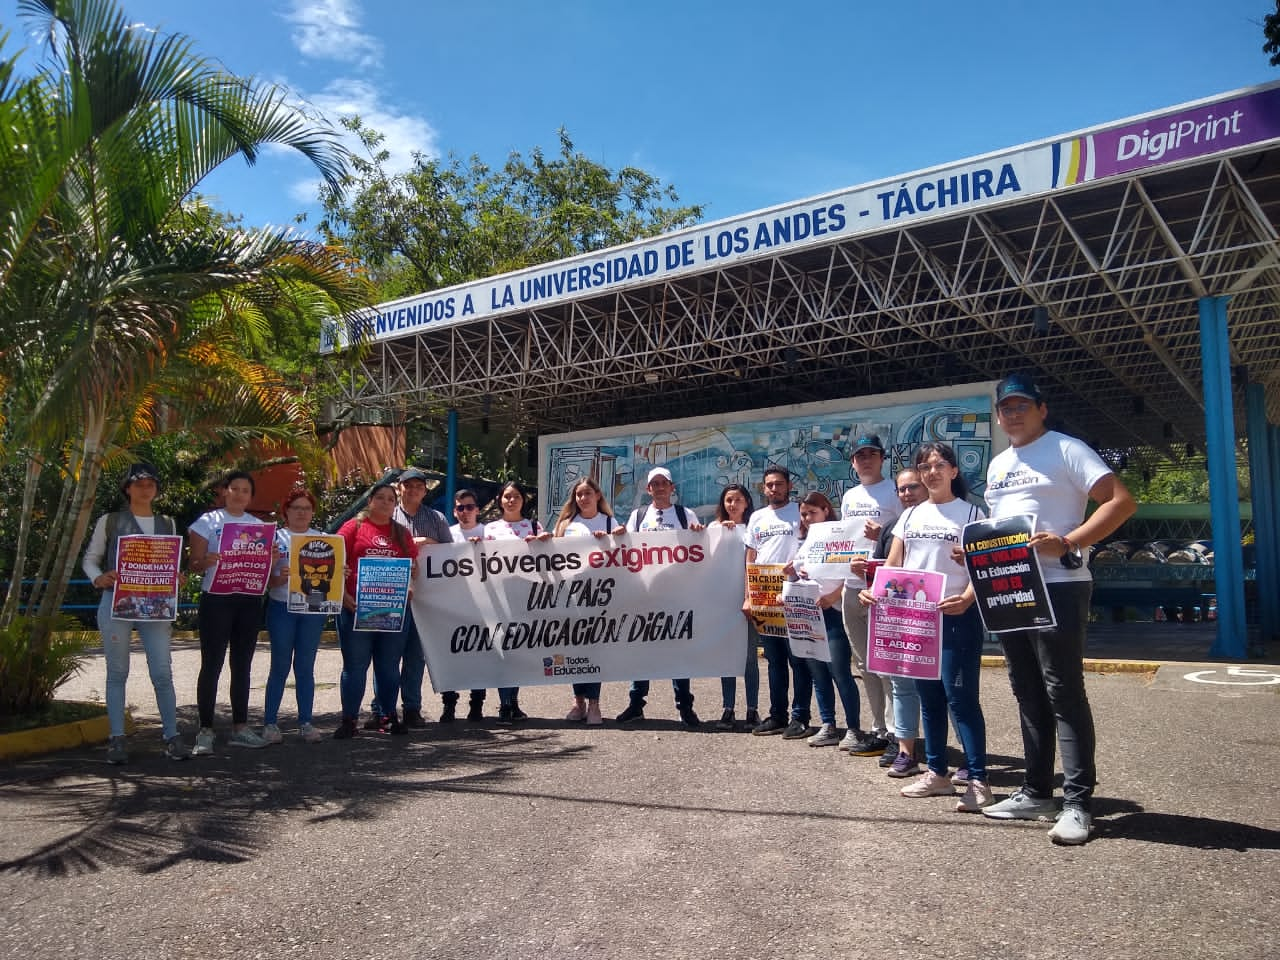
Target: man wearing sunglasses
468, 529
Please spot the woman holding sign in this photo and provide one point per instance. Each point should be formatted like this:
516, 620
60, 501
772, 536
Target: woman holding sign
585, 513
513, 525
374, 533
295, 637
733, 512
141, 485
230, 606
923, 540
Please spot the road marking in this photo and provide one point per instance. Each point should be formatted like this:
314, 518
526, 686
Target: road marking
1236, 676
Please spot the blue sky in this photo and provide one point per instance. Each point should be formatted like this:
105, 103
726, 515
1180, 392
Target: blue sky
740, 105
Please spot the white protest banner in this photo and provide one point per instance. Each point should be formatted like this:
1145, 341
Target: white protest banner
806, 630
830, 547
648, 606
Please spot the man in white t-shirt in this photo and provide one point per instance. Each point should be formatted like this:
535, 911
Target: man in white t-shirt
874, 502
771, 538
662, 513
1053, 477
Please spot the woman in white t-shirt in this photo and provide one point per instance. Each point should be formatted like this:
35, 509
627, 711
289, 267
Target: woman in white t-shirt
923, 540
585, 513
732, 513
513, 525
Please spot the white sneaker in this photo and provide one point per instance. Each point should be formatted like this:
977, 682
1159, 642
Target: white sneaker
976, 796
246, 738
271, 733
204, 743
309, 733
850, 738
826, 736
1072, 828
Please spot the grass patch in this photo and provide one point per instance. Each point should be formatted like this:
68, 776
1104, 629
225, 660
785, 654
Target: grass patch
52, 714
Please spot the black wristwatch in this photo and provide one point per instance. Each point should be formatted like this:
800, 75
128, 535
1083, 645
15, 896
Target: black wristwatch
1072, 559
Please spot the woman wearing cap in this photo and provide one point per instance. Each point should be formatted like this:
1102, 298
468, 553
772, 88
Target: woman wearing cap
585, 513
923, 539
513, 525
226, 621
374, 533
295, 637
141, 485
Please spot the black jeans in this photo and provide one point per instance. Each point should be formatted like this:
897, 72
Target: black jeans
226, 621
1046, 671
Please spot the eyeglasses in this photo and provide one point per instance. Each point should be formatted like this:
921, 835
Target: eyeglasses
908, 487
465, 506
935, 467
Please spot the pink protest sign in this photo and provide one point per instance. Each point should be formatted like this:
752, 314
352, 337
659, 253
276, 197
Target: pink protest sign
904, 627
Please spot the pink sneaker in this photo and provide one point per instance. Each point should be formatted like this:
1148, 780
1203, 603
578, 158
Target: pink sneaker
593, 714
577, 714
930, 785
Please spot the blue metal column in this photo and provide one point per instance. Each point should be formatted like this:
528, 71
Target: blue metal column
1224, 492
1261, 486
451, 465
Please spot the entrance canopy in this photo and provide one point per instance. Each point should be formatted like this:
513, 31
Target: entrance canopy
1082, 258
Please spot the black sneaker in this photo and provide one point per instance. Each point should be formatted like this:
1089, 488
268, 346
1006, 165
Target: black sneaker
373, 723
393, 725
448, 713
475, 714
504, 713
516, 712
414, 718
752, 719
726, 721
689, 718
872, 745
346, 729
771, 725
890, 753
796, 730
633, 714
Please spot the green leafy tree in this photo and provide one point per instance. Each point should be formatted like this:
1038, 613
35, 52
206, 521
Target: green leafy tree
1271, 30
446, 221
126, 307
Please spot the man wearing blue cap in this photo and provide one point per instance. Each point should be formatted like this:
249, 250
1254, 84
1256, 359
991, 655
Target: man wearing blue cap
873, 505
1053, 477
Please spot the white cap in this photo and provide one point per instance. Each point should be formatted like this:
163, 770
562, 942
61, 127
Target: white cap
659, 472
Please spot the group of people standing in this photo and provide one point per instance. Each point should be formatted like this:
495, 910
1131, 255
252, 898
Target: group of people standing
913, 520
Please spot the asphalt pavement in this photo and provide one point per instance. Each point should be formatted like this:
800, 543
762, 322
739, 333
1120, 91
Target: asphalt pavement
552, 840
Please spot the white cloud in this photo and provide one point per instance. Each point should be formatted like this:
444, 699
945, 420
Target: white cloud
330, 30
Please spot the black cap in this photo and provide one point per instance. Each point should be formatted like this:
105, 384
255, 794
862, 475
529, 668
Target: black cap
412, 473
868, 441
140, 471
1018, 385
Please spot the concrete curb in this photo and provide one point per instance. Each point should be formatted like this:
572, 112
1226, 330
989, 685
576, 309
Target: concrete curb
1098, 666
64, 736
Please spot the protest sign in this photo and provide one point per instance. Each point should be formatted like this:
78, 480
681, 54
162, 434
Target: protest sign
147, 571
1007, 582
764, 587
633, 607
244, 559
315, 573
806, 629
382, 593
904, 627
830, 547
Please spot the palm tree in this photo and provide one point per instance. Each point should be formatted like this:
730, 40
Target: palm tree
123, 303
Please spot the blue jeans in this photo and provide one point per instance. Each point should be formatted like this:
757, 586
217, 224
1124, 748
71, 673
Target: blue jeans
1046, 671
413, 664
507, 695
155, 636
750, 675
836, 676
778, 656
359, 649
683, 694
906, 708
961, 670
587, 691
295, 639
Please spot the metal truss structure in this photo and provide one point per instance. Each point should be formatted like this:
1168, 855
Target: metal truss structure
1094, 288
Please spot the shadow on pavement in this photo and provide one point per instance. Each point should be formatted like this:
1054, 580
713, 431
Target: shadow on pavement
1200, 833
